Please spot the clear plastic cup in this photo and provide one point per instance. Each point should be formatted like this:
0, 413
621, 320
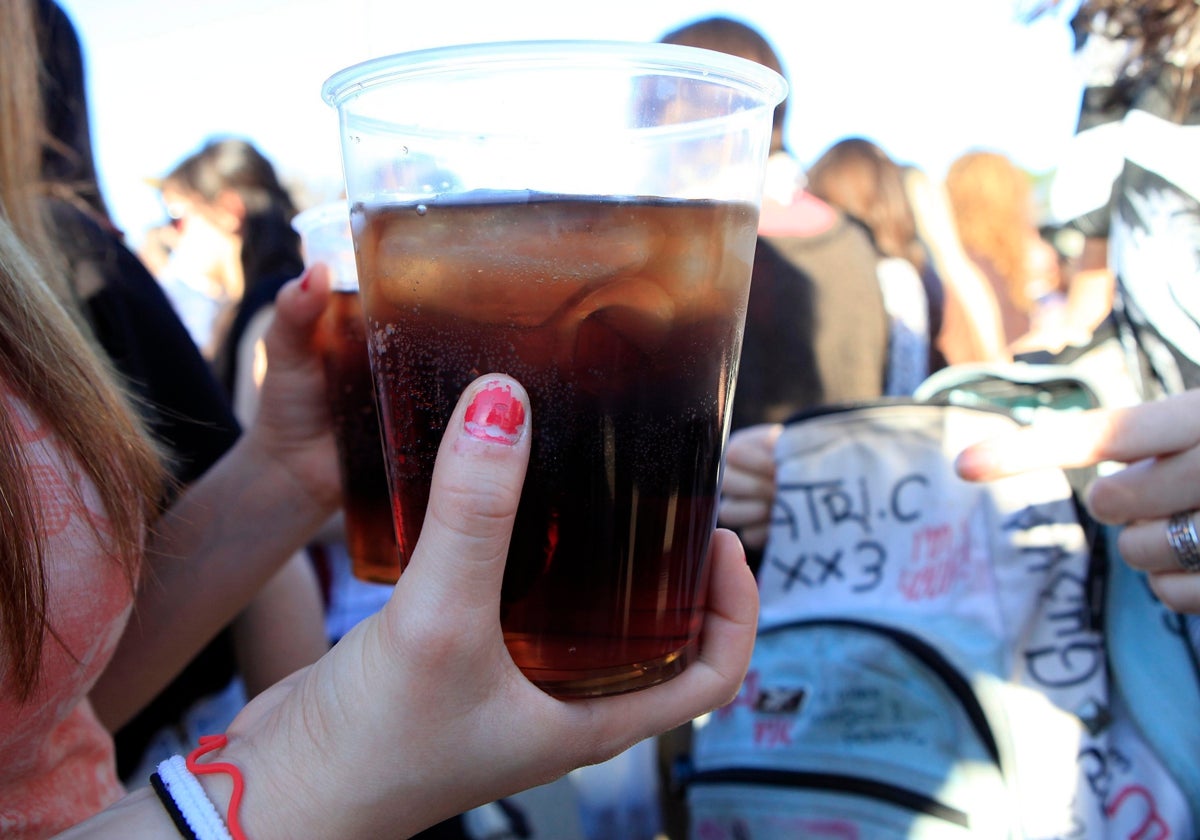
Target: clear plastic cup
342, 337
325, 237
581, 216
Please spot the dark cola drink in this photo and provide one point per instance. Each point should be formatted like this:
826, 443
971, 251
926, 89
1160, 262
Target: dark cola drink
367, 507
623, 320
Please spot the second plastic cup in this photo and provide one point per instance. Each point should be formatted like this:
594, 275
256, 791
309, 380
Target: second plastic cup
342, 337
582, 216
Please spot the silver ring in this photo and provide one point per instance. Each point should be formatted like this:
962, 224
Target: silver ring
1181, 534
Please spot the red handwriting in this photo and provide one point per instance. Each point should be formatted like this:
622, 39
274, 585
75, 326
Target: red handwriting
940, 561
772, 733
1152, 826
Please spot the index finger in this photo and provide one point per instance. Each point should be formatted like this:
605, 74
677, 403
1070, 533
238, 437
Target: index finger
1079, 440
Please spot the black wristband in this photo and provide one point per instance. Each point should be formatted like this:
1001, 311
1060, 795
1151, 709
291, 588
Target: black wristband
168, 802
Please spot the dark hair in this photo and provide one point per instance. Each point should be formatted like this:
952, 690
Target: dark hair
270, 245
68, 165
732, 37
1160, 33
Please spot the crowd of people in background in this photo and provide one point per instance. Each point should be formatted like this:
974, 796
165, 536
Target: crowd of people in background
869, 276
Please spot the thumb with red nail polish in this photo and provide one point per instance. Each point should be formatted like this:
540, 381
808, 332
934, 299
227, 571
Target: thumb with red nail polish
474, 495
495, 414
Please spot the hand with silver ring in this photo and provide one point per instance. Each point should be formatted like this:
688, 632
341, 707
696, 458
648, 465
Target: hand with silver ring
1181, 534
1154, 496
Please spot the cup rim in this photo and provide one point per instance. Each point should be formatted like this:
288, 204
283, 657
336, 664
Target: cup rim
670, 59
328, 212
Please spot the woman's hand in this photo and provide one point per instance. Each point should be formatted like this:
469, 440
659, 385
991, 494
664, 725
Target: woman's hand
1160, 443
420, 713
234, 527
748, 486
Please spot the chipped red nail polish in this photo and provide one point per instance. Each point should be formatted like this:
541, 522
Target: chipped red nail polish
495, 415
304, 278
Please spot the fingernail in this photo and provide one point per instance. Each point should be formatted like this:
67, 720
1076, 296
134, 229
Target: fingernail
304, 280
496, 415
975, 462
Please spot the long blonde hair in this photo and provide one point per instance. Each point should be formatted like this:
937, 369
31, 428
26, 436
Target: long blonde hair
992, 201
50, 364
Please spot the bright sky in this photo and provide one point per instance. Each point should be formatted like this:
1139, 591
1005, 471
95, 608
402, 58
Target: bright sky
926, 79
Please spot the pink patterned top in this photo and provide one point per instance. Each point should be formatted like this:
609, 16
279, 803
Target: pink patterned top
56, 760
